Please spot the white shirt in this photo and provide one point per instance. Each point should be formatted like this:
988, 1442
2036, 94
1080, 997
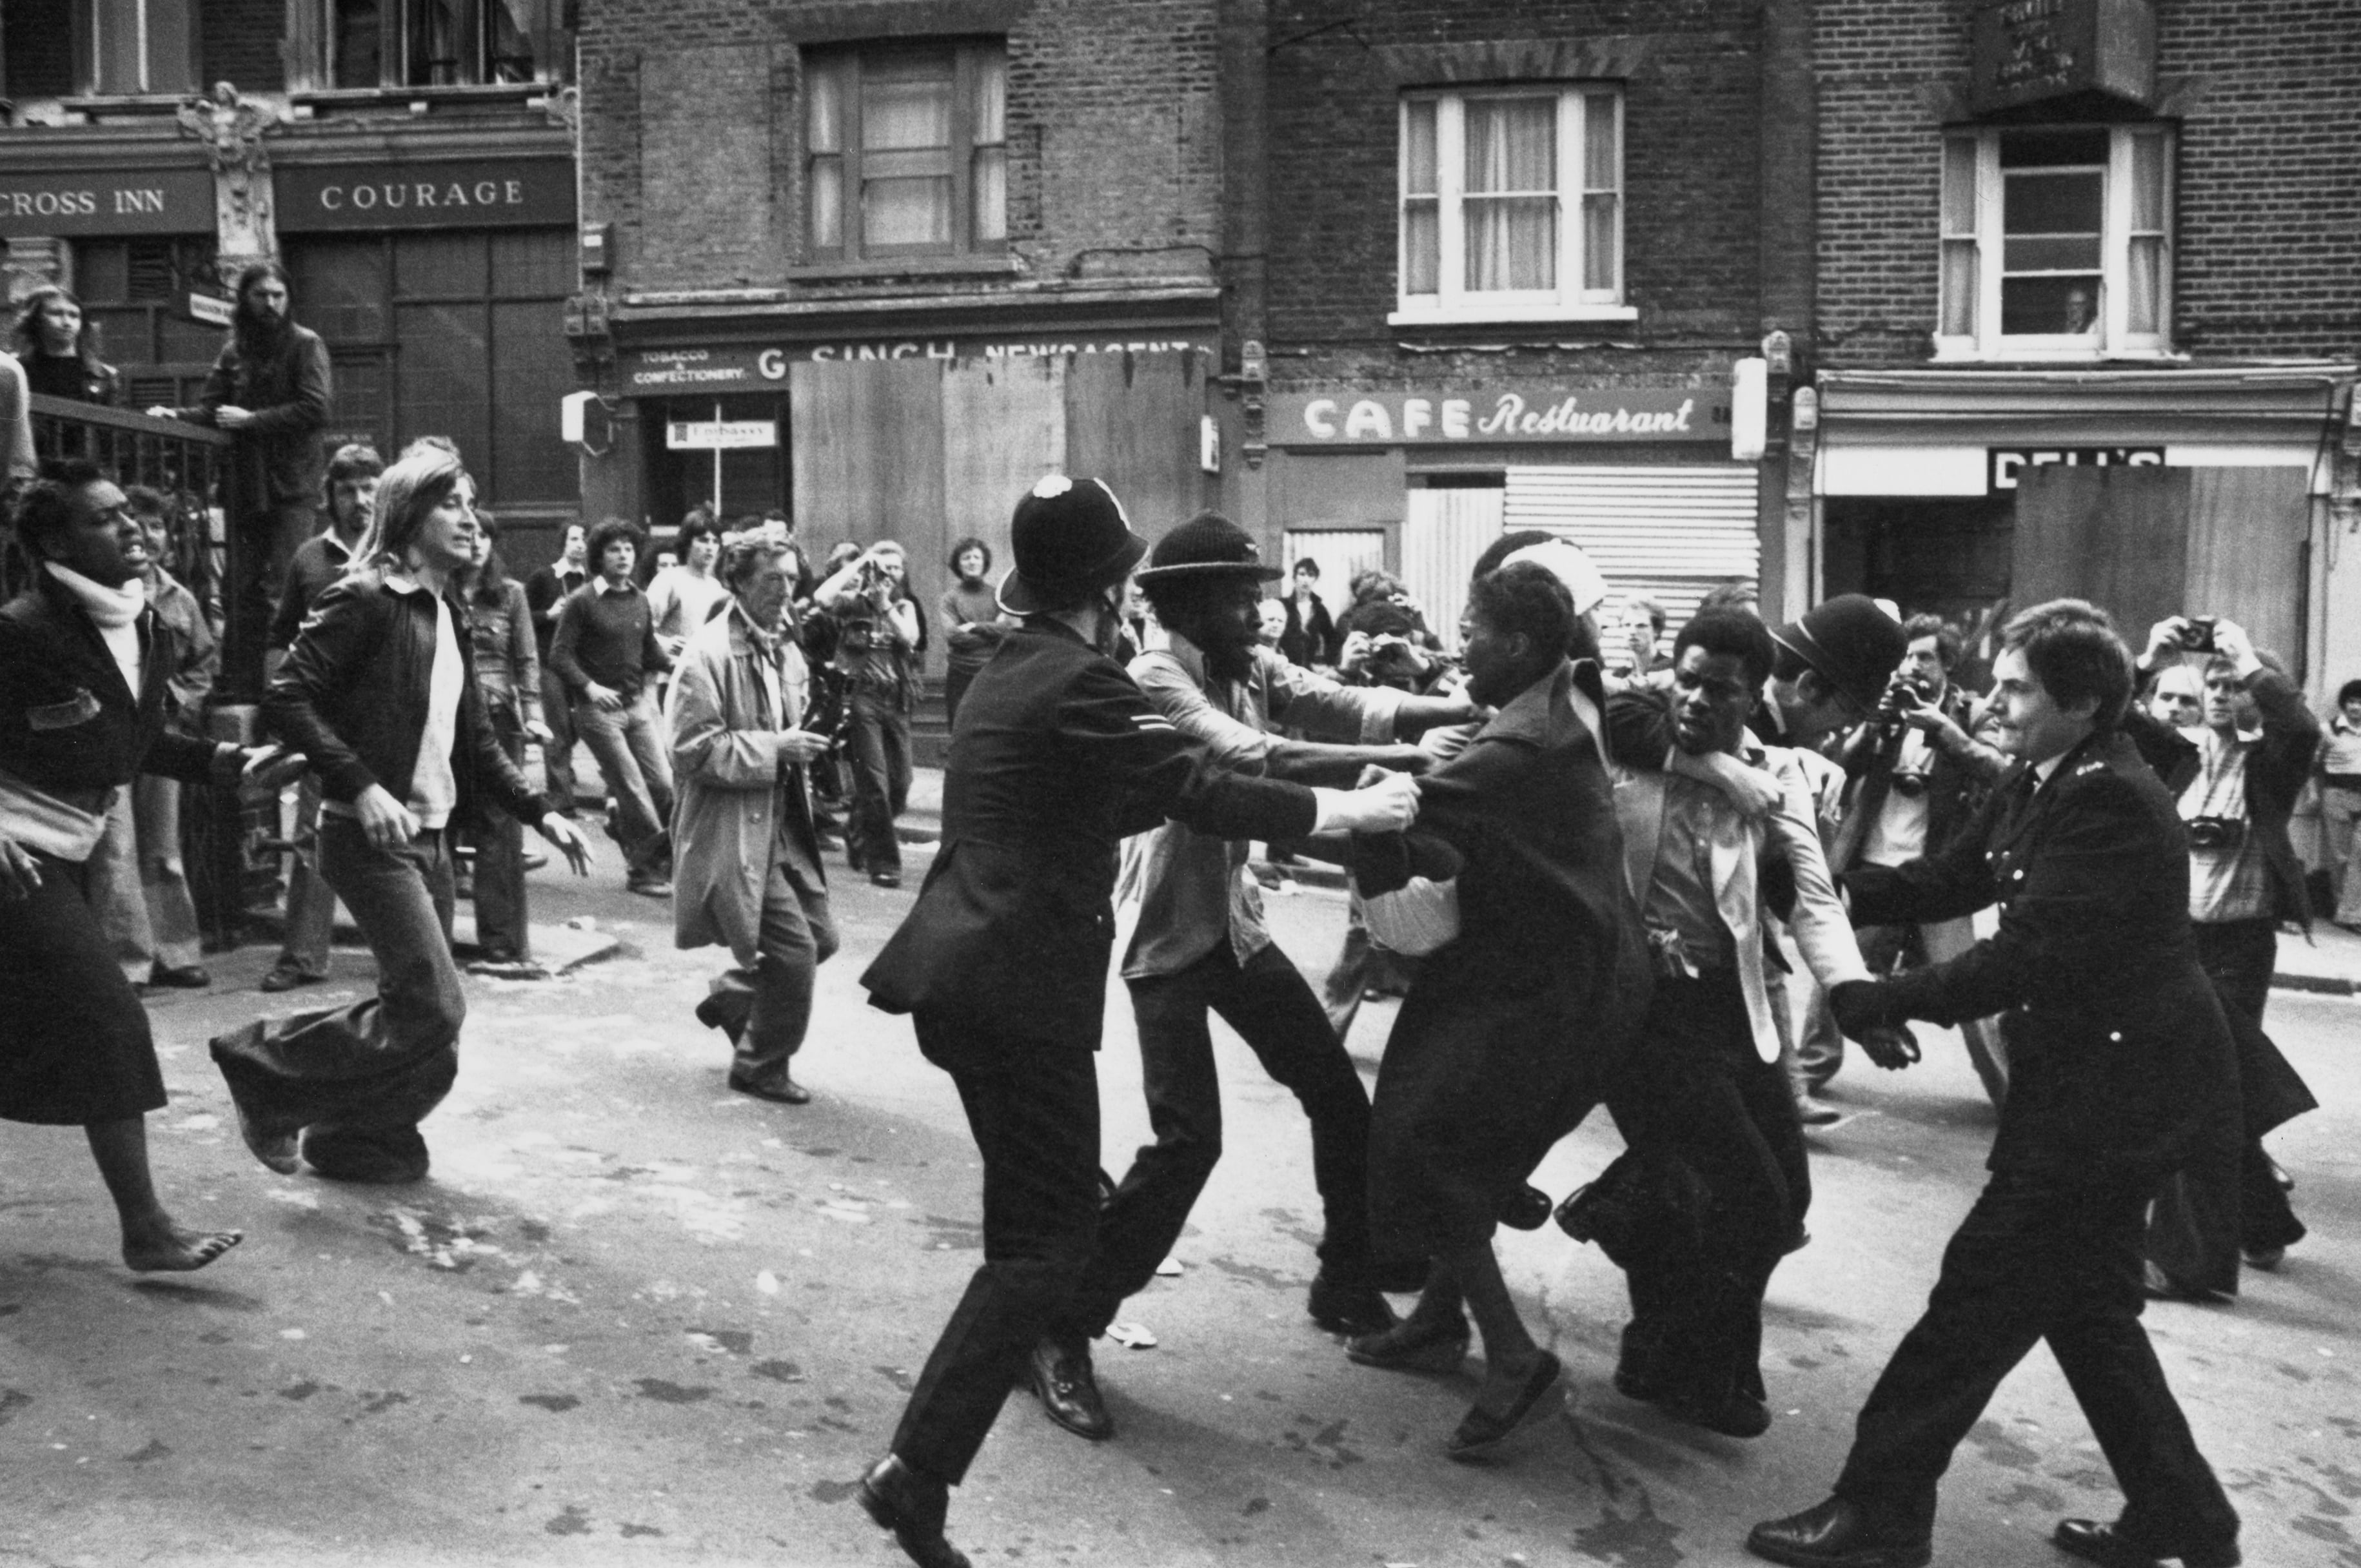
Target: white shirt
1899, 834
434, 786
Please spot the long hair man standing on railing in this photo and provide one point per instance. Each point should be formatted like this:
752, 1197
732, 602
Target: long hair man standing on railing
270, 388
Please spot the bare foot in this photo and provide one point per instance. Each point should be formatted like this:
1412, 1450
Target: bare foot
167, 1248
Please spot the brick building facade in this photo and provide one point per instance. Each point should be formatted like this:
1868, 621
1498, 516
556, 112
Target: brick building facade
914, 252
410, 162
1441, 362
2087, 313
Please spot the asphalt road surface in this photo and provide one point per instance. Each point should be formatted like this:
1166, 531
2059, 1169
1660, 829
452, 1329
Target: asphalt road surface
634, 1318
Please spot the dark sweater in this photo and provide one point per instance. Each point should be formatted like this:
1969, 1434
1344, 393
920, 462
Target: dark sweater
318, 562
609, 637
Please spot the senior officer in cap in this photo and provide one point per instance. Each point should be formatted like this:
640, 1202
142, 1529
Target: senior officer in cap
2122, 1067
1201, 947
1056, 758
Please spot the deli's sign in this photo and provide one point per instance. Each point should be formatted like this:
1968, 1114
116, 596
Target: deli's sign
1444, 419
154, 200
469, 193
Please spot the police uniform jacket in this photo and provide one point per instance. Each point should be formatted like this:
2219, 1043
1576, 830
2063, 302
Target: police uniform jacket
2119, 1054
1057, 757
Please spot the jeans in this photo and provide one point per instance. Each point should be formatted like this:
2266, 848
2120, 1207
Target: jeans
1035, 1114
1699, 1091
2039, 1258
768, 1008
879, 754
139, 884
1273, 1010
499, 837
356, 1080
557, 756
311, 902
630, 745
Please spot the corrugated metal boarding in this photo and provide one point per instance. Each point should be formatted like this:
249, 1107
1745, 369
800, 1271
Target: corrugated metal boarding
1669, 533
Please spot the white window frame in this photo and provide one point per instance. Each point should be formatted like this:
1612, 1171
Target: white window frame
1453, 303
2110, 337
150, 24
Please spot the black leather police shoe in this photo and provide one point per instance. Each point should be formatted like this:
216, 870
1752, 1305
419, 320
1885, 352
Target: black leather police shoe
912, 1506
1069, 1389
1838, 1534
2096, 1542
1346, 1307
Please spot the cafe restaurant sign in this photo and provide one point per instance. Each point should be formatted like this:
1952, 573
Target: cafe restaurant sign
472, 194
1594, 414
151, 200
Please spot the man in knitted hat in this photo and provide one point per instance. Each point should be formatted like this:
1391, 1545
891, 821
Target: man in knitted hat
1056, 758
1201, 947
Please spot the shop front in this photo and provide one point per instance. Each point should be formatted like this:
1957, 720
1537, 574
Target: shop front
128, 224
2149, 493
440, 284
924, 437
1418, 480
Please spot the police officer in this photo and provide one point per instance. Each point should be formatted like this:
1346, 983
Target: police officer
2123, 1068
1003, 962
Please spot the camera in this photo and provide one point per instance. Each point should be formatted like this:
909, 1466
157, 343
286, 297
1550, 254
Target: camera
2216, 832
2197, 633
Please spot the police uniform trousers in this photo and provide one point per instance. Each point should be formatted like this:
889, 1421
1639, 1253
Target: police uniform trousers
2052, 1256
1033, 1107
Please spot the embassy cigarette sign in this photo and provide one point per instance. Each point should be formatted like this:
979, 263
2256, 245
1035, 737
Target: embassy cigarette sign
1596, 415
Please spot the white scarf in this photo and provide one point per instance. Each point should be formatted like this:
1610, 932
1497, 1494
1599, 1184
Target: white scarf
116, 611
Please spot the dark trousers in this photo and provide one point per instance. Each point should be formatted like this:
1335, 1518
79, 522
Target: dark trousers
356, 1080
956, 680
879, 758
2226, 1197
1700, 1091
1273, 1010
2039, 1258
1033, 1107
272, 537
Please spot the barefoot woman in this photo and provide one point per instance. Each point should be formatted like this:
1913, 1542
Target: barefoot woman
84, 664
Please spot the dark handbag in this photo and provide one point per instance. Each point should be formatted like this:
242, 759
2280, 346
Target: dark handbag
1647, 1205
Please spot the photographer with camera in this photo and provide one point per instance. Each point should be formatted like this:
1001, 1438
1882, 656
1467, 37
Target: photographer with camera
2254, 750
881, 636
1920, 776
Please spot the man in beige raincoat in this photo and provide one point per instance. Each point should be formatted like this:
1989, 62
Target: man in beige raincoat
746, 868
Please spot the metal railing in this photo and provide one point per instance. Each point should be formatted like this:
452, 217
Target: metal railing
231, 871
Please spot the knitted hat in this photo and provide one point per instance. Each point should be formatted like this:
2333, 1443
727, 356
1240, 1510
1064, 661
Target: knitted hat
1207, 545
1069, 536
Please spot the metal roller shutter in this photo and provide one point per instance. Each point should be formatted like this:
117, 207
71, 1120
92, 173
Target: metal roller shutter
1665, 534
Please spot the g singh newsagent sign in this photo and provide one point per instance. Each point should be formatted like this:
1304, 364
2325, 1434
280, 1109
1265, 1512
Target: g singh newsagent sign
1593, 414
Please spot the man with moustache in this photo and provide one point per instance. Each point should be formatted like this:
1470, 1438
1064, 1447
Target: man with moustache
2123, 1068
352, 475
